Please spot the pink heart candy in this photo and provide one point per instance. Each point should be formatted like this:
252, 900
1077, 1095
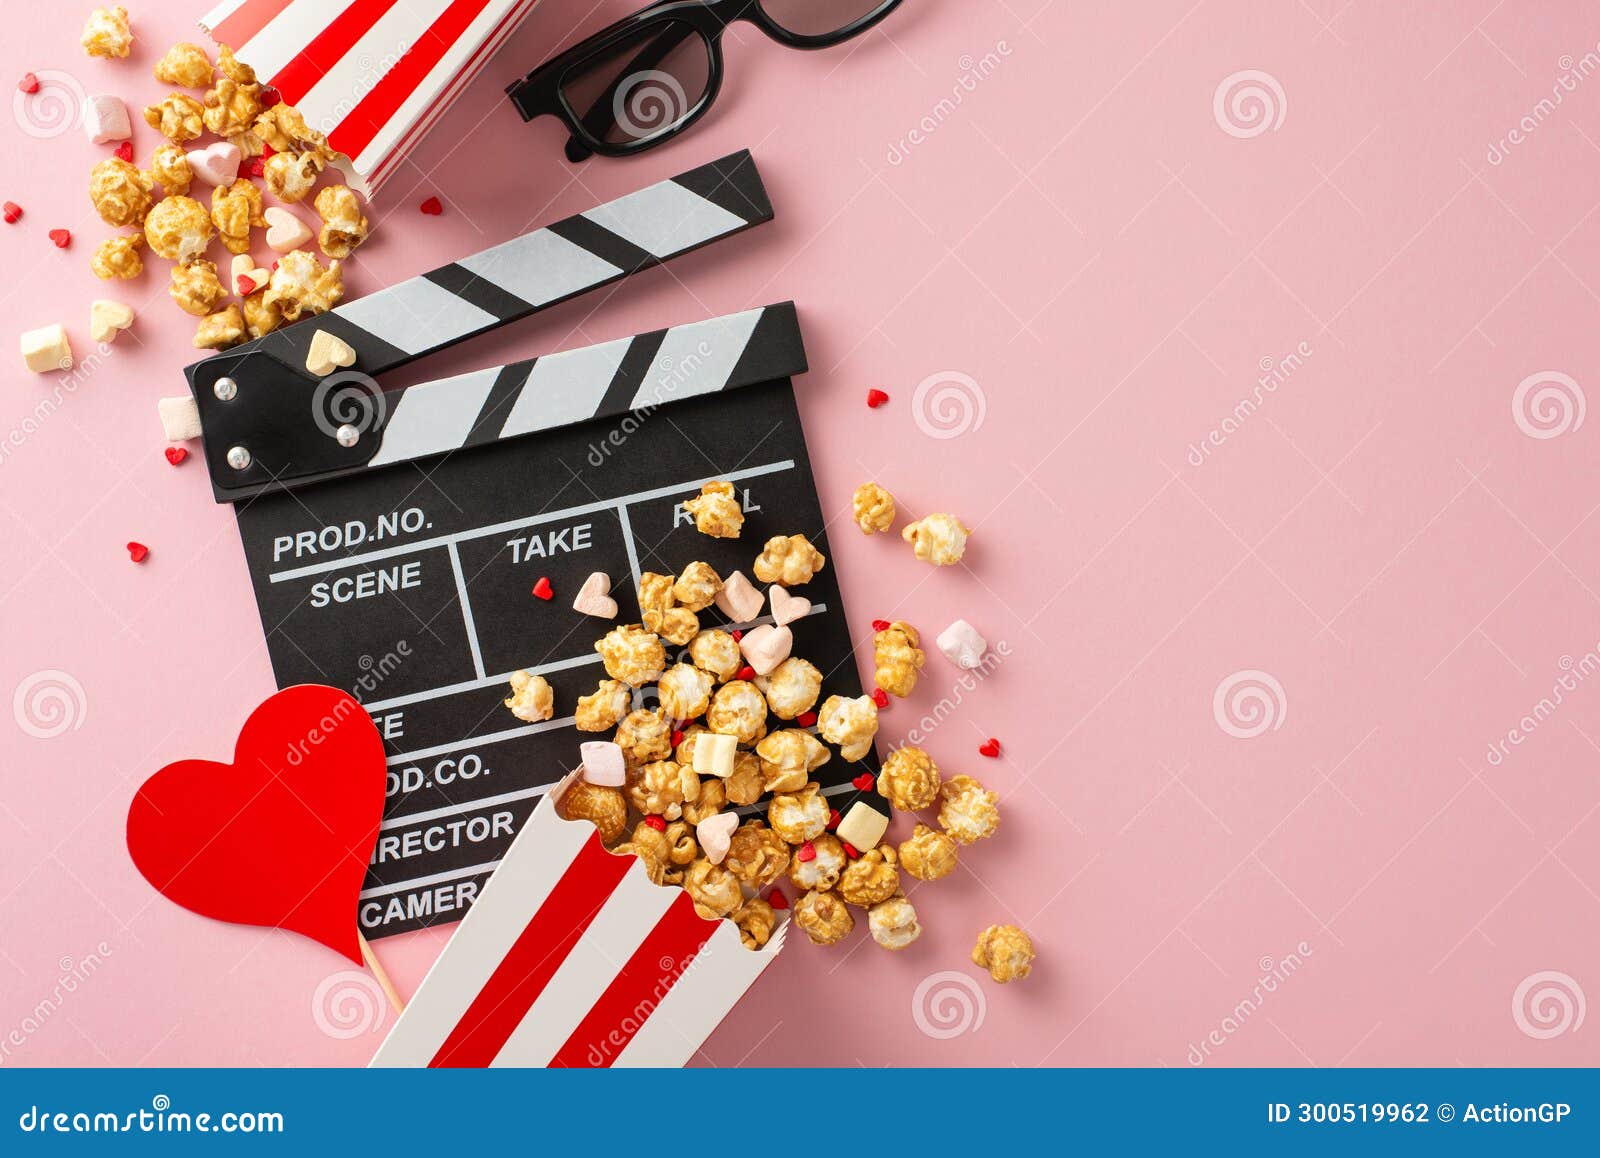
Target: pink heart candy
594, 597
285, 231
715, 834
787, 608
765, 647
216, 164
739, 600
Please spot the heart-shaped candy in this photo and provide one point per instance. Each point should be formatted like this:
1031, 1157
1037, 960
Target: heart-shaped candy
216, 164
285, 231
787, 608
327, 353
715, 834
280, 837
176, 454
247, 275
990, 748
594, 597
107, 318
765, 647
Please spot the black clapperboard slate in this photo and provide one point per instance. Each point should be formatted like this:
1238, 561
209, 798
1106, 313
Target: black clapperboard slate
400, 566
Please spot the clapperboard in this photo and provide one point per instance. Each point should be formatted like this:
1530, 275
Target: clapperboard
393, 538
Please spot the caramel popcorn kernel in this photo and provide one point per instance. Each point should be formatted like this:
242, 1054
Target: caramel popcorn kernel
185, 65
119, 192
849, 723
106, 33
344, 226
632, 655
118, 257
939, 539
177, 117
1005, 951
789, 560
196, 288
822, 871
531, 698
603, 707
716, 511
823, 917
928, 854
898, 658
968, 811
874, 508
909, 779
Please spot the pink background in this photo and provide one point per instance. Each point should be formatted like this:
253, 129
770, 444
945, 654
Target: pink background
1080, 233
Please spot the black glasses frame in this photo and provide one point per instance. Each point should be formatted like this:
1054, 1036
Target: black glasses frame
540, 93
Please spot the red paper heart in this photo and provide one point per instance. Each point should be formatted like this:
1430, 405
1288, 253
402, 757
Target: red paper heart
282, 836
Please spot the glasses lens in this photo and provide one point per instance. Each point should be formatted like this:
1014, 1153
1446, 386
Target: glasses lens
642, 88
819, 17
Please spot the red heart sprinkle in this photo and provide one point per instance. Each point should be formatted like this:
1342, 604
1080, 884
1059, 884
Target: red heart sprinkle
876, 398
247, 285
28, 83
806, 719
677, 738
808, 852
269, 96
543, 589
880, 625
124, 151
658, 823
274, 267
990, 748
255, 167
176, 454
138, 552
865, 781
13, 212
880, 697
849, 849
746, 673
266, 150
61, 237
737, 636
432, 206
777, 900
833, 819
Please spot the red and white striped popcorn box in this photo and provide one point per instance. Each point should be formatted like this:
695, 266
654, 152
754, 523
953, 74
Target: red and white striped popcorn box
374, 75
572, 957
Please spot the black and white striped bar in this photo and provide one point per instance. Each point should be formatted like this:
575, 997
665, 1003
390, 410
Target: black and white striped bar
267, 413
639, 373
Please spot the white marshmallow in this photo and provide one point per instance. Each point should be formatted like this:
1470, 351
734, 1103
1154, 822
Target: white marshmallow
863, 826
714, 754
46, 349
603, 764
962, 645
180, 418
105, 119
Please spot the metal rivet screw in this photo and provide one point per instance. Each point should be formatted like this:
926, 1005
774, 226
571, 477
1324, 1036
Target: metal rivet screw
238, 457
225, 389
347, 435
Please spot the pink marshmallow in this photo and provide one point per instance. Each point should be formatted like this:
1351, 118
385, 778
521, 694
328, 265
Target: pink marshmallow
603, 764
739, 599
962, 645
216, 164
765, 647
105, 119
715, 834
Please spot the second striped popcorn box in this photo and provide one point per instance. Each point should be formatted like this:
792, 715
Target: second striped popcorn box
573, 958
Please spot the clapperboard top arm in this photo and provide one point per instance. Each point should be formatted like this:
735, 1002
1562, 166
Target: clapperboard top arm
268, 423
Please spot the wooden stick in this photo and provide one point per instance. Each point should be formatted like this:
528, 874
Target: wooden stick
384, 983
